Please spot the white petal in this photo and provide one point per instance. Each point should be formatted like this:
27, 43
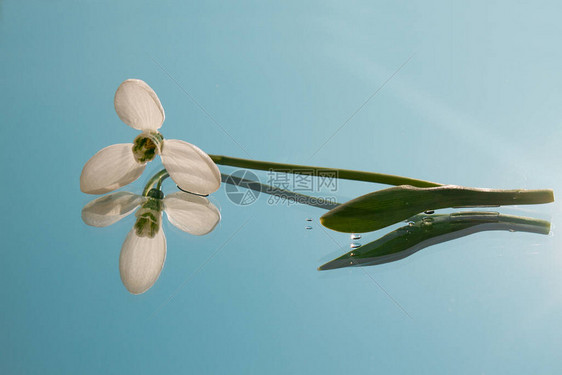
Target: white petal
190, 167
190, 213
138, 106
110, 208
109, 169
141, 261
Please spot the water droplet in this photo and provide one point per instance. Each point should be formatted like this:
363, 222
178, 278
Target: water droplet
355, 236
355, 245
429, 212
410, 223
427, 222
308, 219
308, 227
351, 254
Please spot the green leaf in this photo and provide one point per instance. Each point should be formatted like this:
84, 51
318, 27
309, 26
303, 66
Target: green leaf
385, 207
426, 230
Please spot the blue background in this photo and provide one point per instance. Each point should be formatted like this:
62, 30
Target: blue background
465, 93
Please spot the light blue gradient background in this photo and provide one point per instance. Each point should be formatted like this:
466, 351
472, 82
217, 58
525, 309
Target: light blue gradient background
478, 104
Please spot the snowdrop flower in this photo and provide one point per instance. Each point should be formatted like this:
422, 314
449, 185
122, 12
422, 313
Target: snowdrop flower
115, 166
144, 251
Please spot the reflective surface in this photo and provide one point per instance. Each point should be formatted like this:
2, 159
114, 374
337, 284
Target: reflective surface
458, 94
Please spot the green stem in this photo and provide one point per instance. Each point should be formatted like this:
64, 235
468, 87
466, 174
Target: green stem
156, 179
339, 173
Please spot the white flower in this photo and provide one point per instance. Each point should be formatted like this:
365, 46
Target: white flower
144, 251
115, 166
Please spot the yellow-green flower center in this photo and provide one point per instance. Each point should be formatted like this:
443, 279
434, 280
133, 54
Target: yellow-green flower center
149, 216
146, 145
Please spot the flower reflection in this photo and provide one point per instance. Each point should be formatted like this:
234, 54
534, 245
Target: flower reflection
144, 251
138, 106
